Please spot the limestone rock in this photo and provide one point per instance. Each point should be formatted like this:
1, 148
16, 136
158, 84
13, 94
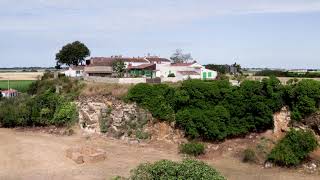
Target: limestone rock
281, 122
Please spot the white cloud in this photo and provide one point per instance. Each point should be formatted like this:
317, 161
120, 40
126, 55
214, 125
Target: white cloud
121, 15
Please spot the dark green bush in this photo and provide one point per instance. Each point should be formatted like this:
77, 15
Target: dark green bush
293, 148
215, 110
44, 107
187, 169
14, 112
171, 75
155, 98
192, 148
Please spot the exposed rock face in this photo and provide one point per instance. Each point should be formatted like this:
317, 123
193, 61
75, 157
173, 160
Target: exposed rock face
111, 116
313, 122
163, 131
281, 122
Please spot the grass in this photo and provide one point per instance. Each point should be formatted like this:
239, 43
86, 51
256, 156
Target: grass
20, 85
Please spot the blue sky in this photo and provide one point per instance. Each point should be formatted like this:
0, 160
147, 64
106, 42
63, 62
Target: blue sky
255, 33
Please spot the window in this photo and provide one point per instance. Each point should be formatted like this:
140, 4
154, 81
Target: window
209, 74
77, 72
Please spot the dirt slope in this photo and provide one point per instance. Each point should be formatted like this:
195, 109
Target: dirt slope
28, 155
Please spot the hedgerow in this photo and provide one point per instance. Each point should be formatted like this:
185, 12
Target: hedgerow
43, 106
215, 110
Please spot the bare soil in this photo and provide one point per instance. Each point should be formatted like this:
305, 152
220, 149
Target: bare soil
38, 155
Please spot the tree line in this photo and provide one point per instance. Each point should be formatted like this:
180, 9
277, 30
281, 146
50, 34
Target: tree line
215, 110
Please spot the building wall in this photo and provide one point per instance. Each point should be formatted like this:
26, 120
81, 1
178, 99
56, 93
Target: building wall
115, 80
207, 72
73, 73
163, 70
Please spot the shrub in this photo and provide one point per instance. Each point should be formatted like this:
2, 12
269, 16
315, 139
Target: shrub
66, 114
293, 148
165, 169
171, 75
142, 135
250, 156
192, 148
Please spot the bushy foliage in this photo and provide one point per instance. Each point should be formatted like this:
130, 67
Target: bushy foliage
303, 98
215, 110
187, 169
155, 98
171, 75
44, 107
293, 148
66, 114
192, 148
14, 112
278, 73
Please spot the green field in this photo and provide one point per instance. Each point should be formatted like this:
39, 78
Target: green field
20, 85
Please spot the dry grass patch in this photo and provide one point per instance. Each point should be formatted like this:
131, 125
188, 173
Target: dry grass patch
116, 90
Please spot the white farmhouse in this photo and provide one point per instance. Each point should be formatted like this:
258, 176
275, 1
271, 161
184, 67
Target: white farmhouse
184, 71
75, 71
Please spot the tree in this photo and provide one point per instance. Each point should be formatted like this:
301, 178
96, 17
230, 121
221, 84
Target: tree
179, 57
119, 67
73, 54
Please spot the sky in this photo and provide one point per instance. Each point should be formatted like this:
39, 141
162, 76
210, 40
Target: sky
254, 33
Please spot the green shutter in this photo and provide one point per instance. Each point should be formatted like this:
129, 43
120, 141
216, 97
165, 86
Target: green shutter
209, 74
204, 75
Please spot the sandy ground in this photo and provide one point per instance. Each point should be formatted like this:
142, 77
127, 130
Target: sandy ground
30, 155
20, 75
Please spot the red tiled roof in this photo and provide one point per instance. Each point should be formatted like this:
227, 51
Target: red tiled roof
9, 91
142, 66
181, 64
188, 73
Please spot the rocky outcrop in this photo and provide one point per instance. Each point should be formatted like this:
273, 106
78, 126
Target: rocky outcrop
105, 114
281, 122
313, 122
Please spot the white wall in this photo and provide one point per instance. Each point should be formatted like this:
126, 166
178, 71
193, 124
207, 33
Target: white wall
214, 74
73, 73
115, 80
163, 70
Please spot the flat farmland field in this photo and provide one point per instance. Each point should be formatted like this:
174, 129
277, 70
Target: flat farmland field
20, 75
20, 85
18, 80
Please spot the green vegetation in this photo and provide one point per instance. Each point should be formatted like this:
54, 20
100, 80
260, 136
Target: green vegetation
221, 69
215, 110
192, 148
20, 85
293, 148
142, 135
249, 156
43, 106
165, 169
279, 73
72, 54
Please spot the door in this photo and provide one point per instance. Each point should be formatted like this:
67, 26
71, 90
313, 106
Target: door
204, 75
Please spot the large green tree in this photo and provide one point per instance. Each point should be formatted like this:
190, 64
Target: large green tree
73, 54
